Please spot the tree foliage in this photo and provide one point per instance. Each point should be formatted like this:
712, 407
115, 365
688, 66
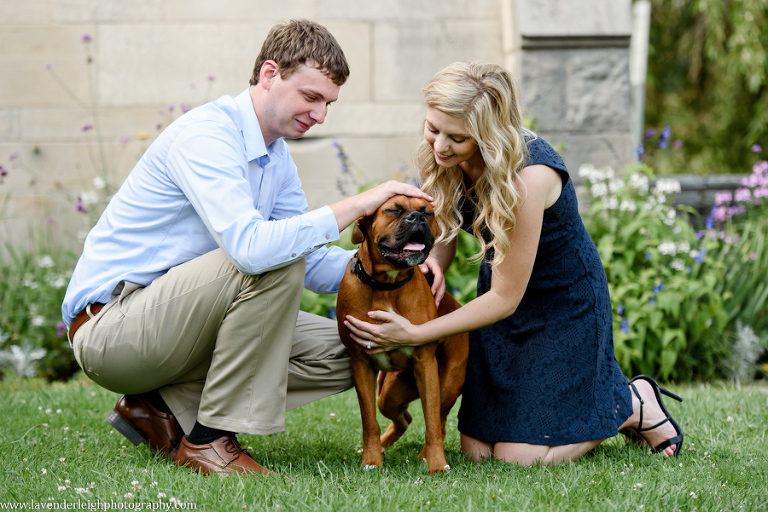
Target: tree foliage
707, 75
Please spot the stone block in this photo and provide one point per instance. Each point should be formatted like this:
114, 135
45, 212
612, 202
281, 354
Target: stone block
25, 54
409, 10
409, 53
577, 90
371, 119
114, 123
9, 124
240, 10
156, 64
86, 11
555, 18
371, 161
25, 13
356, 40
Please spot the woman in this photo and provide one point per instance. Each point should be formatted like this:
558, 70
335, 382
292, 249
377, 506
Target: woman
543, 384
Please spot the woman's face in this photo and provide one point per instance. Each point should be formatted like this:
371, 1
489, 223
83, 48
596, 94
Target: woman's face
450, 140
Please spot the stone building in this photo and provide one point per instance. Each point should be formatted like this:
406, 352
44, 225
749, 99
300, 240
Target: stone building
87, 83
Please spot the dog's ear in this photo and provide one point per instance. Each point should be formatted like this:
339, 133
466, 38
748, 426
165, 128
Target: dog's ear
360, 229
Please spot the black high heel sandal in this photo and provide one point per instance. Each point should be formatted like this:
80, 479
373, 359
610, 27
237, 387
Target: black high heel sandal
658, 391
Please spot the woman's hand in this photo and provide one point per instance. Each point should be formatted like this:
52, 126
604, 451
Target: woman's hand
432, 266
393, 332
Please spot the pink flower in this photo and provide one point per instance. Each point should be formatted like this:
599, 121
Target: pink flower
61, 329
756, 148
742, 195
86, 127
723, 198
13, 156
86, 38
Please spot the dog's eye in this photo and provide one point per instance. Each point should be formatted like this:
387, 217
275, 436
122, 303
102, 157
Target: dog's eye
395, 211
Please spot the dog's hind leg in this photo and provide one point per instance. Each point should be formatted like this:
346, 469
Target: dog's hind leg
397, 391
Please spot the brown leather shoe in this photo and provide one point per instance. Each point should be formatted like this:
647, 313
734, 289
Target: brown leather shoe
222, 456
138, 420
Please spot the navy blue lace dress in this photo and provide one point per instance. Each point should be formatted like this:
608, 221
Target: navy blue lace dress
547, 375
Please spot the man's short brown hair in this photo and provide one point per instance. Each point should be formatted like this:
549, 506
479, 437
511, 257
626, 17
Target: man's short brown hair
298, 41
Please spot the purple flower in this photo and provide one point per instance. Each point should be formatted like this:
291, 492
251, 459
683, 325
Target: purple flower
48, 66
677, 144
61, 329
649, 133
86, 38
653, 301
332, 313
79, 206
700, 257
210, 78
620, 309
624, 326
86, 127
50, 220
648, 256
656, 289
13, 156
639, 150
171, 108
756, 148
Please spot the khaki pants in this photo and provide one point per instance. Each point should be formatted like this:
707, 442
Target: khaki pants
230, 350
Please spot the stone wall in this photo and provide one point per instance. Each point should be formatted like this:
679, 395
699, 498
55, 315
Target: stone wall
149, 55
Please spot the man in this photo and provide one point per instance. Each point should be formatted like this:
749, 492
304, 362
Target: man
186, 297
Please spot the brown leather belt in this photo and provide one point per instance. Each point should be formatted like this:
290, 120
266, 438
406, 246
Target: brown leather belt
81, 318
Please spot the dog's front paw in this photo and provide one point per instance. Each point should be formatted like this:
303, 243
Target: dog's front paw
370, 466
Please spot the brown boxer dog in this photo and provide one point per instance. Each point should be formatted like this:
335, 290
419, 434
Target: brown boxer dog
393, 241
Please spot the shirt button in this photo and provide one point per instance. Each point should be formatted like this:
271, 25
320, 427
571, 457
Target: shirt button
293, 255
327, 237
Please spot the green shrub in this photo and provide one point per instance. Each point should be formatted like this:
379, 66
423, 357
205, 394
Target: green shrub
33, 339
668, 317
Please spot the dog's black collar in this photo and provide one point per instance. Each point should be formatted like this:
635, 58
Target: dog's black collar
357, 269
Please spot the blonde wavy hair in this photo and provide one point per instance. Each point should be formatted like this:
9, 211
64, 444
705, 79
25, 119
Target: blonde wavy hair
483, 96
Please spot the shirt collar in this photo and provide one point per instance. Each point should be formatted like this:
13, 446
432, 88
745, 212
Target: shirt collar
254, 140
255, 147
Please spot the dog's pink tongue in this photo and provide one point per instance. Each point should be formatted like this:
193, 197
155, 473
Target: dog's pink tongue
413, 247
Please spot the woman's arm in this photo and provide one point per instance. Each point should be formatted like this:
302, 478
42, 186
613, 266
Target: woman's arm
540, 187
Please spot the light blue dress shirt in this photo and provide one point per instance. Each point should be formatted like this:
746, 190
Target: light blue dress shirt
208, 181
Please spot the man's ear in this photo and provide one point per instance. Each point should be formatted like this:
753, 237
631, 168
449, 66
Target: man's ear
359, 230
268, 72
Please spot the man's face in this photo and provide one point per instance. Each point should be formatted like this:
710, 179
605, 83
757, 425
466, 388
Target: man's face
296, 104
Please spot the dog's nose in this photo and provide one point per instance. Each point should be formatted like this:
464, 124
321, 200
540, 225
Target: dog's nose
415, 217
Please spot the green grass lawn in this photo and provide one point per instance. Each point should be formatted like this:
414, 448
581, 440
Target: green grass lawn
57, 450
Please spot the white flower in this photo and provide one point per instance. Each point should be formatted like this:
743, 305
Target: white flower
667, 186
677, 264
44, 471
38, 320
610, 203
683, 247
599, 189
161, 495
667, 248
88, 198
45, 262
62, 488
639, 182
128, 495
99, 182
616, 185
628, 206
